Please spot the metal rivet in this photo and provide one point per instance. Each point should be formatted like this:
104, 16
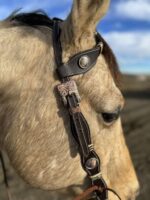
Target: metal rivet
91, 163
84, 61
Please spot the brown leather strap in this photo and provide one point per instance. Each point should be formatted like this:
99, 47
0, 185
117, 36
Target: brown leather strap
87, 193
92, 189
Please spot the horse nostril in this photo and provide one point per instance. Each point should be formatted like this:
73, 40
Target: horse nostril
110, 117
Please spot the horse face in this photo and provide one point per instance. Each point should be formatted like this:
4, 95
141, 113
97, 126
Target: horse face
39, 142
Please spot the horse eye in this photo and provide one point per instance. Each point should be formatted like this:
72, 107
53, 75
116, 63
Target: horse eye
110, 117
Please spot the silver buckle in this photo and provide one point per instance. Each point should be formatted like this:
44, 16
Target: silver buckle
68, 88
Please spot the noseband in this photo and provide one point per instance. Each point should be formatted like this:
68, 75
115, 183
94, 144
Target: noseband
76, 65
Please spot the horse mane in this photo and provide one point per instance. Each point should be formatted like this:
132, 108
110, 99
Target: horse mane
39, 17
111, 62
33, 19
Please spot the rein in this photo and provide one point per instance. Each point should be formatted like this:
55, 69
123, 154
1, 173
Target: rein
68, 91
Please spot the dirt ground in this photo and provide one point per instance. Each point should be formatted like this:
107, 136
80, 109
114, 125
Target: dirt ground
136, 123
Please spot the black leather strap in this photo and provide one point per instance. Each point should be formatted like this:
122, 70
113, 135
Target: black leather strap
79, 126
57, 44
72, 67
81, 133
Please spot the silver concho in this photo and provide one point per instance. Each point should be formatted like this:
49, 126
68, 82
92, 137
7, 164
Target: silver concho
91, 163
84, 61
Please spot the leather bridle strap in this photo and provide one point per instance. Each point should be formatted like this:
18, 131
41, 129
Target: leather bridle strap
79, 126
75, 64
72, 67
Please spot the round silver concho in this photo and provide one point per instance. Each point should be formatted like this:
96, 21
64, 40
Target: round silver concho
84, 62
91, 163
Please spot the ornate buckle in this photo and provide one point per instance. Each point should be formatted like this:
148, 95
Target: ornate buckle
68, 88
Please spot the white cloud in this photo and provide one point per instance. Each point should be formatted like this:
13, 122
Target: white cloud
131, 48
135, 9
130, 43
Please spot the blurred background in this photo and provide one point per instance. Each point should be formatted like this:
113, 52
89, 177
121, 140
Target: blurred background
127, 30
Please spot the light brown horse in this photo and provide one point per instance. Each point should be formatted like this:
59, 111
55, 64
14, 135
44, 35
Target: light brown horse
34, 125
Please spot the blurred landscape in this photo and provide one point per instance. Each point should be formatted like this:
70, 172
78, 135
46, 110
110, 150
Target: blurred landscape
136, 123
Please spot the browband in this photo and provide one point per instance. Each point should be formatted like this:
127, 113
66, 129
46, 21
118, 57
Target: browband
81, 62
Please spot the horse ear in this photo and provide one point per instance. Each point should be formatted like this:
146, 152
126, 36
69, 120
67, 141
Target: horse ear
81, 22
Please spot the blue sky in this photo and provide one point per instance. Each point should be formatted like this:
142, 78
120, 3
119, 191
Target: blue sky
126, 27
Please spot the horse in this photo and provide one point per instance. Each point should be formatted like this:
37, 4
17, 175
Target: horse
35, 130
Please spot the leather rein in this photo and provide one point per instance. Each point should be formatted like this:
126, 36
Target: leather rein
76, 65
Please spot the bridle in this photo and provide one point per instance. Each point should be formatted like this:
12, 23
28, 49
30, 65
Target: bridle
79, 64
76, 65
